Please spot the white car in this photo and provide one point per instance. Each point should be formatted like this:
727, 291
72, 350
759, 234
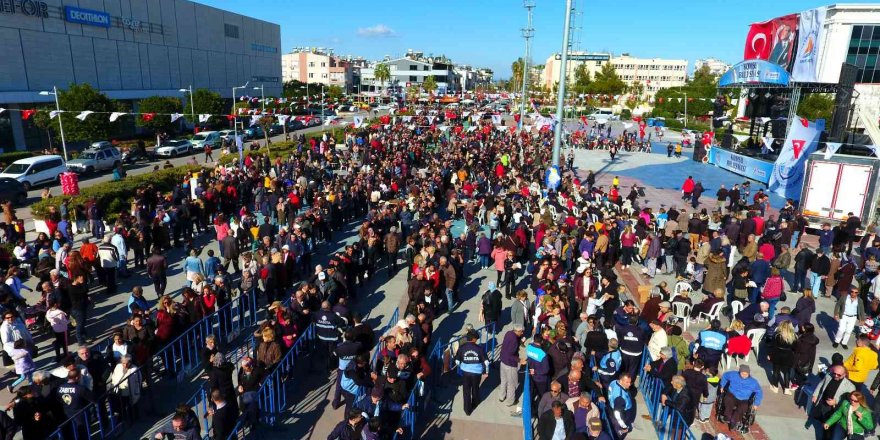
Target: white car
33, 171
174, 148
203, 138
226, 135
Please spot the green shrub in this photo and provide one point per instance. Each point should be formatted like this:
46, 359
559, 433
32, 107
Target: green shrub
626, 114
12, 156
115, 196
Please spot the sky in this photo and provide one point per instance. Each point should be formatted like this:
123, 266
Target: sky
487, 33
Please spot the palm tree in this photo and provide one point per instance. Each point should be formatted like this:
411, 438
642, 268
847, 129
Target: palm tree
517, 75
430, 84
382, 73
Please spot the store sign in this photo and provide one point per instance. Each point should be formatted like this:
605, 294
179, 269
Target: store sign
86, 16
755, 72
133, 24
585, 57
268, 79
29, 8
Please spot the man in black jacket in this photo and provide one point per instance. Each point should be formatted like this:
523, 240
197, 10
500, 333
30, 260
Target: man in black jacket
557, 414
223, 415
490, 305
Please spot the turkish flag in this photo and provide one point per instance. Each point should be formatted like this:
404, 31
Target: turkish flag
486, 129
584, 120
798, 146
759, 41
147, 117
26, 114
230, 117
512, 129
308, 119
457, 129
450, 115
516, 118
385, 119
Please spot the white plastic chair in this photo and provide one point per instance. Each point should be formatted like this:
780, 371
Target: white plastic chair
682, 288
737, 307
682, 311
714, 312
755, 335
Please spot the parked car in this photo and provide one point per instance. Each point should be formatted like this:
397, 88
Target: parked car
174, 148
226, 135
294, 125
32, 171
13, 190
203, 138
99, 156
276, 129
255, 132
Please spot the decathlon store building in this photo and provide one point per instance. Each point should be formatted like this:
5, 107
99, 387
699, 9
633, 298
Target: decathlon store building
128, 49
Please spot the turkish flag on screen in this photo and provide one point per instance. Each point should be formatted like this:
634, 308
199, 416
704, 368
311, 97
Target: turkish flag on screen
759, 41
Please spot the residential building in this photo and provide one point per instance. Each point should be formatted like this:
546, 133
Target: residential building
317, 65
653, 73
716, 66
128, 50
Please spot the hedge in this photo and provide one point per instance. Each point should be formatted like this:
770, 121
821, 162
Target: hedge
12, 156
115, 197
284, 148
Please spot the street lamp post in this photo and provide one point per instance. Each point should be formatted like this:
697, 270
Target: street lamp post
528, 32
235, 126
560, 97
54, 93
192, 105
262, 98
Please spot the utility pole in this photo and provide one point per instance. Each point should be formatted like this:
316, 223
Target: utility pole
527, 33
560, 97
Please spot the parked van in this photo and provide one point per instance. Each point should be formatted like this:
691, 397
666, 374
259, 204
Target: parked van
33, 171
203, 138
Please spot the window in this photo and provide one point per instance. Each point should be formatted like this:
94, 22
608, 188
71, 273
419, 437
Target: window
230, 30
864, 53
323, 64
413, 67
311, 64
425, 68
413, 78
311, 75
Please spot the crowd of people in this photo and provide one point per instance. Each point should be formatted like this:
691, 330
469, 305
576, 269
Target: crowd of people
558, 251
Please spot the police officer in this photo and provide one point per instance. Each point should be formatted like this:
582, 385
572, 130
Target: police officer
74, 397
327, 326
345, 352
622, 408
631, 345
474, 364
609, 364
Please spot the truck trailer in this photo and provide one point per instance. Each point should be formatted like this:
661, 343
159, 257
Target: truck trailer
838, 186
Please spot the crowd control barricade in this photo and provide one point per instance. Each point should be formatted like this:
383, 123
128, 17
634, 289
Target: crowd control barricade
668, 422
409, 415
99, 420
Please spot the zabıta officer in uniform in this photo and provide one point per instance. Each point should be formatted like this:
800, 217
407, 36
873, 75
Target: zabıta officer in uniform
474, 364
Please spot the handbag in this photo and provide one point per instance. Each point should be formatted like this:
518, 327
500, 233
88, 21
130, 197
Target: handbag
783, 297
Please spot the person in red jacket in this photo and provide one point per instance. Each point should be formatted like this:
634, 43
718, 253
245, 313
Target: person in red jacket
687, 188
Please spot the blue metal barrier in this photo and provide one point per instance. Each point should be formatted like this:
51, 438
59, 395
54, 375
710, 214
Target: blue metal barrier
409, 414
667, 421
442, 353
391, 323
272, 398
178, 358
99, 420
526, 402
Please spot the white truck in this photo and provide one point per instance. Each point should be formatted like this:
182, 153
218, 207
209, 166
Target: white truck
835, 187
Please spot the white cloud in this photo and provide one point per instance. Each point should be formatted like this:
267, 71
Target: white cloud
377, 31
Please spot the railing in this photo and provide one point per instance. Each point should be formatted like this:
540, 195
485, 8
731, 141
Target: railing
271, 396
101, 419
178, 358
667, 421
526, 403
441, 353
408, 415
391, 322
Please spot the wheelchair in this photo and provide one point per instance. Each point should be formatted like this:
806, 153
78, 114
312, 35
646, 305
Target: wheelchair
740, 426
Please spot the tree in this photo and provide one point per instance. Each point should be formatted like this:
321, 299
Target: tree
382, 73
78, 98
607, 82
516, 78
816, 106
334, 92
206, 102
163, 107
430, 84
266, 123
637, 90
582, 79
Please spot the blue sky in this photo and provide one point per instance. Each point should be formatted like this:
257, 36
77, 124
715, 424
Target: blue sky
486, 33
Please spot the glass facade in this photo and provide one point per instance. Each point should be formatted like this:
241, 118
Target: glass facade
864, 52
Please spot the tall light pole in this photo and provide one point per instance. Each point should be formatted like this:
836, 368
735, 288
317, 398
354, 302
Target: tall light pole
235, 126
262, 98
560, 97
192, 105
527, 33
54, 93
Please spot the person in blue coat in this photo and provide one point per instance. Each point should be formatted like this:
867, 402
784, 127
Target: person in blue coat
740, 386
538, 364
474, 365
623, 409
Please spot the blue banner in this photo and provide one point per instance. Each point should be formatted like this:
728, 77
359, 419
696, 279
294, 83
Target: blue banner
86, 16
754, 72
755, 169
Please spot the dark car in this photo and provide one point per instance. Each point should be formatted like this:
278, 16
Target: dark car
11, 189
276, 129
295, 125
